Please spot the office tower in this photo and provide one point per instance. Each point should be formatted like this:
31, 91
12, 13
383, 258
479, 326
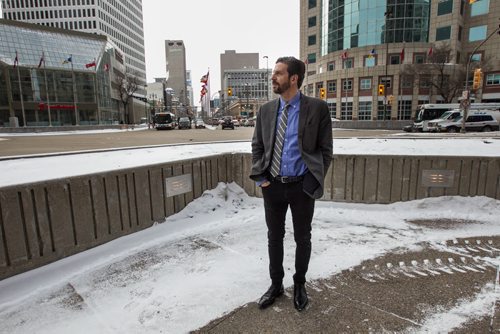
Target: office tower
353, 47
230, 60
175, 54
120, 20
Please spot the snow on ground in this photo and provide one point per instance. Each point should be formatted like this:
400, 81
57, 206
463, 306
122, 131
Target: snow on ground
28, 170
212, 257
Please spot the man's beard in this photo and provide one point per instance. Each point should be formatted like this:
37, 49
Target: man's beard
280, 89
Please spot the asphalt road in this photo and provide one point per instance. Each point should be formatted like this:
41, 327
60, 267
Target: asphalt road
59, 142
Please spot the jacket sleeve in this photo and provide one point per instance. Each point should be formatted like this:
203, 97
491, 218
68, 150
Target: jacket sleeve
325, 137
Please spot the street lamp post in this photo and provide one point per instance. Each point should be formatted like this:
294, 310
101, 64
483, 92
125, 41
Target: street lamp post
467, 69
267, 77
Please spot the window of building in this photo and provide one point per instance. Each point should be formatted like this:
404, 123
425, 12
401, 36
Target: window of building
493, 79
346, 84
370, 61
331, 86
404, 109
477, 33
348, 63
312, 4
365, 83
394, 59
445, 7
443, 33
346, 111
311, 22
476, 57
424, 81
406, 81
480, 8
311, 58
381, 109
419, 58
311, 40
386, 81
332, 107
330, 66
365, 110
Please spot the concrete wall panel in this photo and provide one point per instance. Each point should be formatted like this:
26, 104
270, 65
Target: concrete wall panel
15, 243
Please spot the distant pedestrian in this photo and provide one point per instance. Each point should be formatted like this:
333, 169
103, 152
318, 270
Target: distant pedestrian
291, 153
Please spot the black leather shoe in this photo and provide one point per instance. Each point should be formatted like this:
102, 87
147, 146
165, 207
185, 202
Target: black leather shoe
300, 299
270, 296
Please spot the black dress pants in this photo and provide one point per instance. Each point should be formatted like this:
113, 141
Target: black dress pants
277, 198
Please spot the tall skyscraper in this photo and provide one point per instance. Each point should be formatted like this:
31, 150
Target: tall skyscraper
352, 48
175, 54
120, 20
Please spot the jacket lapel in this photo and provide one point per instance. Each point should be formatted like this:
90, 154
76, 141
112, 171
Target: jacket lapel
304, 110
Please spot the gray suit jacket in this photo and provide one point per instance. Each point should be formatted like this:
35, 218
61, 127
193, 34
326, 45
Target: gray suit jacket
315, 141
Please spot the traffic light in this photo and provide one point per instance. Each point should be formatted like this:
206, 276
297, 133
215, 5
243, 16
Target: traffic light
472, 1
322, 93
381, 90
229, 91
478, 79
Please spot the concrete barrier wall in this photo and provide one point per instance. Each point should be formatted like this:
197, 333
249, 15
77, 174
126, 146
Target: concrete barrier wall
47, 221
44, 222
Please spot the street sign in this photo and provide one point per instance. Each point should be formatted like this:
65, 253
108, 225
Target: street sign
465, 94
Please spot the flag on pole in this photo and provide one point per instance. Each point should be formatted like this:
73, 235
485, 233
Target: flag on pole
429, 53
343, 55
68, 60
16, 60
106, 67
402, 55
91, 64
42, 60
204, 79
372, 53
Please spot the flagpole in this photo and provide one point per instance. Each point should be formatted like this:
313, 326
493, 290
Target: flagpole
77, 119
47, 89
97, 94
208, 94
21, 93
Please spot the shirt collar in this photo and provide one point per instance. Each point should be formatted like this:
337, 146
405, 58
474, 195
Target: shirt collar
293, 102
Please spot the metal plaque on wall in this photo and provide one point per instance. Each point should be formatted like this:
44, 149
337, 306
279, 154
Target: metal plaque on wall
438, 178
177, 185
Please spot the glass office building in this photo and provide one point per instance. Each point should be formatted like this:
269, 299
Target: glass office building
353, 47
55, 77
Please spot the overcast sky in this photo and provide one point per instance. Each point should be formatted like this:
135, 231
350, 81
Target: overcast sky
208, 28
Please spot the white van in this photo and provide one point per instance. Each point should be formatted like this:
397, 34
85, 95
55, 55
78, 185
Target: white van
449, 115
477, 120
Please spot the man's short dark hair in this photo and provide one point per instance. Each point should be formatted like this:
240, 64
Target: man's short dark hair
295, 66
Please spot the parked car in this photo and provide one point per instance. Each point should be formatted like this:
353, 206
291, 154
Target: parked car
476, 121
236, 122
199, 124
184, 123
227, 123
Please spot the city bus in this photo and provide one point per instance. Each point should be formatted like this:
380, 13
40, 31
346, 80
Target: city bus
429, 112
164, 121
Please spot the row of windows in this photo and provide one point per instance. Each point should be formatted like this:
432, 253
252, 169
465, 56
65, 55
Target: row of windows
371, 60
492, 79
477, 33
366, 112
7, 4
50, 14
477, 8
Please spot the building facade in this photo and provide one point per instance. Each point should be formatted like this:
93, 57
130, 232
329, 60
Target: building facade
231, 60
175, 55
351, 47
120, 20
49, 77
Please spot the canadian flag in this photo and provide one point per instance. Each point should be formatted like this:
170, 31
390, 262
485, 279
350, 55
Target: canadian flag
92, 64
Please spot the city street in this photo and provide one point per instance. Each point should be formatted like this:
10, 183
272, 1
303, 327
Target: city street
56, 142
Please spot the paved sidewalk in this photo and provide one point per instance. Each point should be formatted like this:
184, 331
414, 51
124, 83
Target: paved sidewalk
394, 293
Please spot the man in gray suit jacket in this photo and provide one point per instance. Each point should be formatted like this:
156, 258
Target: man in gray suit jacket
291, 153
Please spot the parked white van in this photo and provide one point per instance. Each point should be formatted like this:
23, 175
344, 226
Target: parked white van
477, 120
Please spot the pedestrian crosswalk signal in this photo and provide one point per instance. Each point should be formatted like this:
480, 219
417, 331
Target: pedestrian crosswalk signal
381, 90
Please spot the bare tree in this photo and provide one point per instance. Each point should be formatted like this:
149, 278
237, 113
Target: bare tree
442, 73
126, 85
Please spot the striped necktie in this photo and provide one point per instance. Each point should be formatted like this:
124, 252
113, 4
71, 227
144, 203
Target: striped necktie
278, 144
